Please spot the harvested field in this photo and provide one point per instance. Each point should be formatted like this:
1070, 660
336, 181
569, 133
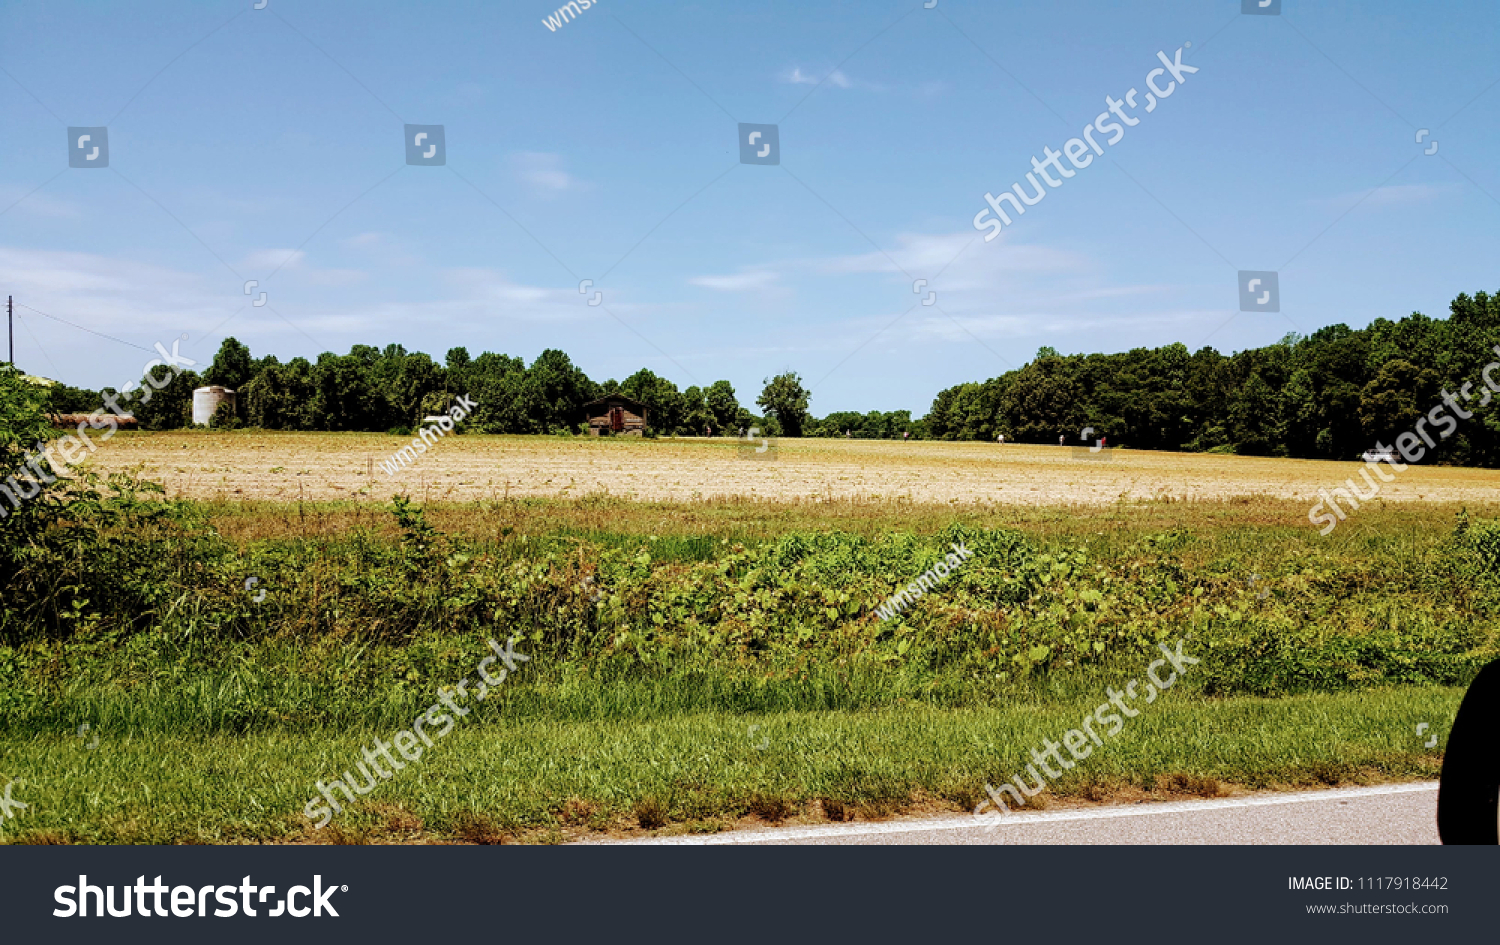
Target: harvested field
326, 466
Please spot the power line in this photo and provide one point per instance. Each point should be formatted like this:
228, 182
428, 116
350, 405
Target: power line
38, 342
81, 328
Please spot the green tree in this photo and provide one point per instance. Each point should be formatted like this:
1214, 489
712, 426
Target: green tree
723, 406
232, 366
346, 397
1252, 418
61, 398
458, 371
666, 409
23, 488
1399, 395
170, 408
1044, 401
785, 397
23, 421
415, 376
283, 397
697, 419
554, 392
496, 382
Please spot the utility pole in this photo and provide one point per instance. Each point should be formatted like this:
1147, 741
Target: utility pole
10, 318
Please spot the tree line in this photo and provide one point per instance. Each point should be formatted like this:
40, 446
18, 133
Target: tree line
391, 389
1329, 395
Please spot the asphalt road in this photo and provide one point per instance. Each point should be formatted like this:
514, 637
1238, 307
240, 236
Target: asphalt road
1389, 814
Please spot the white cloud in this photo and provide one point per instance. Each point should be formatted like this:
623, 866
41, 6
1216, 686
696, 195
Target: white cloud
142, 303
1036, 324
958, 260
380, 247
745, 280
1395, 196
1000, 293
138, 303
269, 260
544, 172
483, 295
35, 202
798, 77
336, 277
289, 266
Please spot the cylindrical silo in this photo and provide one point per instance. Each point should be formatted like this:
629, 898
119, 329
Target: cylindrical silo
206, 400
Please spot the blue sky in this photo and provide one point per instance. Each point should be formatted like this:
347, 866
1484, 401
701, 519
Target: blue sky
268, 145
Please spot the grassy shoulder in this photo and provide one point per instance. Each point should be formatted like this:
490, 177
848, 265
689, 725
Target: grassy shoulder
659, 635
538, 779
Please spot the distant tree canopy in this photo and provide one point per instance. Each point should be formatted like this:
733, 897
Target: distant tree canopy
1330, 395
873, 425
371, 389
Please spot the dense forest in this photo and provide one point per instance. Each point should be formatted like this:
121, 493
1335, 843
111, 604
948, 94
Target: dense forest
1330, 395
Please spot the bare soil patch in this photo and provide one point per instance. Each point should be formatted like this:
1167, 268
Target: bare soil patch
332, 466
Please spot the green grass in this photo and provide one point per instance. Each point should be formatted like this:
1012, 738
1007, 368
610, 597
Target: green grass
217, 714
546, 779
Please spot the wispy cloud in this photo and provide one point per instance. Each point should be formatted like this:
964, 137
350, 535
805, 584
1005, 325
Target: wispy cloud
1022, 294
836, 78
743, 281
136, 301
142, 302
38, 203
544, 172
381, 247
924, 255
265, 260
290, 266
1037, 324
1398, 195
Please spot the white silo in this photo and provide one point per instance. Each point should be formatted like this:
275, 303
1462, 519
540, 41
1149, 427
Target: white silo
206, 400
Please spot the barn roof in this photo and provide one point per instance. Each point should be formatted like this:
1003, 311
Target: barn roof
615, 399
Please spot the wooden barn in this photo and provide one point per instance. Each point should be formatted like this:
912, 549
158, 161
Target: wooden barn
616, 414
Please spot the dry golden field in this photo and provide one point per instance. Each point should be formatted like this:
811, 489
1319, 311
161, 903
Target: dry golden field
328, 466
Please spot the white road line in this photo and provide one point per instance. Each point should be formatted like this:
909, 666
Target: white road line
1020, 819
